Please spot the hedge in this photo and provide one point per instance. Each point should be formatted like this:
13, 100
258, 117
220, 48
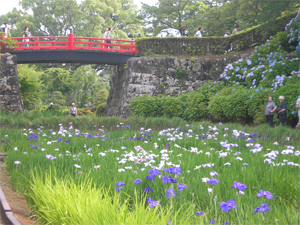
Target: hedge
193, 46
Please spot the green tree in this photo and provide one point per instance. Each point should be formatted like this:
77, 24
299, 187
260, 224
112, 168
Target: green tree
57, 99
86, 85
56, 79
30, 87
176, 14
101, 97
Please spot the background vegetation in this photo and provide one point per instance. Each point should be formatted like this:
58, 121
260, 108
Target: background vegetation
242, 92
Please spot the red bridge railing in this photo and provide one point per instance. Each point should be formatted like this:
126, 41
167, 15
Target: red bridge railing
74, 43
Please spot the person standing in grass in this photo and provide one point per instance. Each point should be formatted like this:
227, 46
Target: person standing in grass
282, 110
73, 110
51, 107
269, 112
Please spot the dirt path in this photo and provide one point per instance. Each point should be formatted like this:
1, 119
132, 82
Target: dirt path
16, 202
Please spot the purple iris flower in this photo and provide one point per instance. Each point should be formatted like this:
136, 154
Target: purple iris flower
211, 221
181, 187
90, 135
33, 146
50, 157
150, 177
168, 179
152, 203
68, 141
154, 172
119, 188
128, 127
213, 181
173, 170
147, 135
120, 183
199, 213
137, 181
239, 186
170, 192
2, 141
59, 139
148, 189
266, 194
226, 206
167, 146
262, 208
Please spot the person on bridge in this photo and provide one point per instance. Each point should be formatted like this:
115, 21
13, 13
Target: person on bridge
73, 110
5, 29
107, 35
236, 29
198, 33
184, 33
26, 34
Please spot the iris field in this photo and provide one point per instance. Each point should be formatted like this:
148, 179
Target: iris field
209, 173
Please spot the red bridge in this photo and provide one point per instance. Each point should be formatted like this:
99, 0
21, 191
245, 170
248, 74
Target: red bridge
73, 49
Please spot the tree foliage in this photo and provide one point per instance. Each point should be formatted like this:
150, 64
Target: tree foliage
90, 18
30, 86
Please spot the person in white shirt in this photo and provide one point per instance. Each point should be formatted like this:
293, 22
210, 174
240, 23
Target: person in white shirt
73, 110
5, 30
198, 33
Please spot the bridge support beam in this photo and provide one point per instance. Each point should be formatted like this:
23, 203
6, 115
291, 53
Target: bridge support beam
116, 103
10, 95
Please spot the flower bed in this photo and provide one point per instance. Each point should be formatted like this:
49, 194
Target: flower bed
178, 175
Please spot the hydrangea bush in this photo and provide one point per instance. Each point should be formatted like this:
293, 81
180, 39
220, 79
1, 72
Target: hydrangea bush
242, 92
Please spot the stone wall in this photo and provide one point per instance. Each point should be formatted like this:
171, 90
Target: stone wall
156, 75
10, 96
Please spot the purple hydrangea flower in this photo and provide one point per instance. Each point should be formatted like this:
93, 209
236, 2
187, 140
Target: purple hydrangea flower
239, 186
262, 208
266, 194
226, 206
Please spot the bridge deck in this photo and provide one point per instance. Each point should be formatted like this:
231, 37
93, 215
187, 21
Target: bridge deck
71, 56
71, 49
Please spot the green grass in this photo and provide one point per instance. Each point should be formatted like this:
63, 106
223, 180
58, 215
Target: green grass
65, 202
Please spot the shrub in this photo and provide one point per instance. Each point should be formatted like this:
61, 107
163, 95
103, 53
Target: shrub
100, 109
180, 73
